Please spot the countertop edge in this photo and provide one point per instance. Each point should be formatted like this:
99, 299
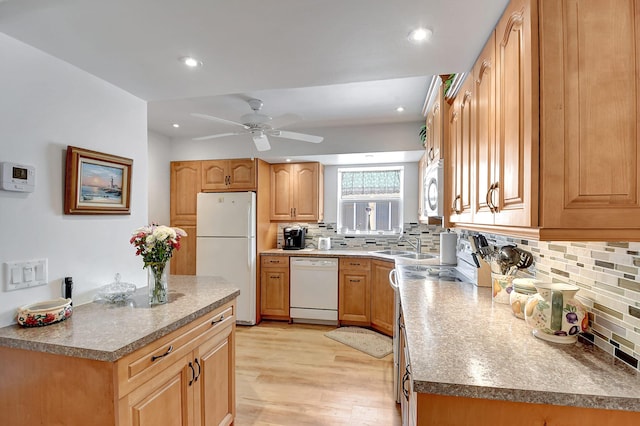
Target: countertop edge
528, 396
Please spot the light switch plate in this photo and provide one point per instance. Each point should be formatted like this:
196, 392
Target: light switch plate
25, 274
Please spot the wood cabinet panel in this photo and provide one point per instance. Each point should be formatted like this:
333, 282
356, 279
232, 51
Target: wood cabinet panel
484, 153
590, 105
382, 297
275, 292
229, 175
297, 192
183, 261
461, 136
185, 184
516, 116
354, 291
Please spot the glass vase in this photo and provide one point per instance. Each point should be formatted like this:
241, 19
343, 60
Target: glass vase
158, 283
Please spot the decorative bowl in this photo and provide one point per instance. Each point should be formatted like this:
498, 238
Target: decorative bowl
45, 313
116, 292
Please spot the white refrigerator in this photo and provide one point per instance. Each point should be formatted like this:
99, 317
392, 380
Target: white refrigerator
226, 244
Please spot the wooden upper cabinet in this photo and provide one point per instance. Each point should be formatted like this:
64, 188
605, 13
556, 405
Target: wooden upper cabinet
185, 185
461, 137
435, 130
229, 175
297, 192
590, 107
484, 153
514, 195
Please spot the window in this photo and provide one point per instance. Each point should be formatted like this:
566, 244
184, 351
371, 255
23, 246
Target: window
370, 200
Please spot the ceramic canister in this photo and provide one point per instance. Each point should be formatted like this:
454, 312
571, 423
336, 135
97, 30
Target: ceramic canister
502, 287
555, 314
523, 289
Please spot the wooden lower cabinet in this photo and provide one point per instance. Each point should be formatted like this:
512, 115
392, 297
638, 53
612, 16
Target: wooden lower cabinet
354, 291
381, 297
186, 378
274, 287
183, 261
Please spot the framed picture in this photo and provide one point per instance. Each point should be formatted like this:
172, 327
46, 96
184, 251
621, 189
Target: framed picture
97, 183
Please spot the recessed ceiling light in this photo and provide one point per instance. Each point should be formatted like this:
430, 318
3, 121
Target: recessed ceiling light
176, 125
400, 109
190, 62
288, 160
420, 35
368, 156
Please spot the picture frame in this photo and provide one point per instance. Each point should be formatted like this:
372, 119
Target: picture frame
97, 183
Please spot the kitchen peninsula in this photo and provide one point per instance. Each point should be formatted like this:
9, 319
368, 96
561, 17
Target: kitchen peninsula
127, 363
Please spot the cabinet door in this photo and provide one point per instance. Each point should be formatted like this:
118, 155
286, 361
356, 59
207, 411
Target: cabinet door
461, 138
484, 79
515, 193
354, 297
422, 165
214, 400
305, 196
281, 192
436, 133
274, 288
590, 108
166, 399
242, 175
382, 297
215, 176
183, 261
185, 186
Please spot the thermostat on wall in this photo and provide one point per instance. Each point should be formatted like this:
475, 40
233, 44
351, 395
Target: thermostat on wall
17, 177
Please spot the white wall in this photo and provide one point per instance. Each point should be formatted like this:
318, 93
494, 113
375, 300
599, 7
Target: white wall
159, 178
45, 105
410, 191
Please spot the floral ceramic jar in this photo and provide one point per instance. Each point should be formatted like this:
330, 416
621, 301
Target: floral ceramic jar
554, 313
523, 289
502, 287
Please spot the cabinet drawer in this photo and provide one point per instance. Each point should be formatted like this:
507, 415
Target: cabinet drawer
355, 264
278, 261
139, 366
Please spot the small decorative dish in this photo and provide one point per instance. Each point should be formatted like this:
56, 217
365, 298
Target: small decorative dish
45, 313
117, 291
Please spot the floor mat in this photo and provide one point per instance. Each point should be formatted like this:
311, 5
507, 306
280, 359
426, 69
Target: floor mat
367, 341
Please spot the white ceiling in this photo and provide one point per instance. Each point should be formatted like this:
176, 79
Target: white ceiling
314, 63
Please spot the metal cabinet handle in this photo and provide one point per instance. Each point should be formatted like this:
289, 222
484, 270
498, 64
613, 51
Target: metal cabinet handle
295, 212
454, 204
488, 198
199, 370
354, 264
405, 379
193, 373
274, 277
156, 357
219, 320
431, 154
354, 281
492, 206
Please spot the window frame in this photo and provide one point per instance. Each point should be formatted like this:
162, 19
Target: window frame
396, 229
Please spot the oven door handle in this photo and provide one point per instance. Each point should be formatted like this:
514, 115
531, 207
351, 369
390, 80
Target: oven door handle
393, 275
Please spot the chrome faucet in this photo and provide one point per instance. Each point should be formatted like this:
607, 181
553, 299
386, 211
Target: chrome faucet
417, 245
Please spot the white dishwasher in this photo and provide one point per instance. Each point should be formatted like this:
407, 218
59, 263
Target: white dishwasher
314, 289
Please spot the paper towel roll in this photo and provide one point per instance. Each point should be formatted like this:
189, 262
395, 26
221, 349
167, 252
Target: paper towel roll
448, 244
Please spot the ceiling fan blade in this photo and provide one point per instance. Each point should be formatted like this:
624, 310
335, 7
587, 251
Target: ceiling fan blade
220, 120
298, 136
219, 135
261, 141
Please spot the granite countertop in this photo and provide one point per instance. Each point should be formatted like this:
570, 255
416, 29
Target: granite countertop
462, 344
106, 332
335, 253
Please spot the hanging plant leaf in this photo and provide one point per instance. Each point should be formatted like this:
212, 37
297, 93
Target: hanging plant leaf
423, 134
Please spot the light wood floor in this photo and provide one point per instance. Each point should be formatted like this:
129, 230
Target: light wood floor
290, 374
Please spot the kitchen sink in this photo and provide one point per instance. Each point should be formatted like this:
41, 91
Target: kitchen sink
417, 256
393, 252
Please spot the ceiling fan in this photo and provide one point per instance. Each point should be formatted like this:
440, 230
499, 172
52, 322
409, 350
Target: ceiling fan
258, 126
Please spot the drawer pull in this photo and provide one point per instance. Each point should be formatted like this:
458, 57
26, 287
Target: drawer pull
274, 261
355, 281
193, 373
214, 322
274, 277
354, 264
199, 370
155, 357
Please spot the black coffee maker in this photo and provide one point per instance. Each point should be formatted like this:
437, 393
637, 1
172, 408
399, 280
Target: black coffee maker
294, 237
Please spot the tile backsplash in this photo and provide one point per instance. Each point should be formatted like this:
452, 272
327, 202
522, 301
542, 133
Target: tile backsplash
429, 235
606, 272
